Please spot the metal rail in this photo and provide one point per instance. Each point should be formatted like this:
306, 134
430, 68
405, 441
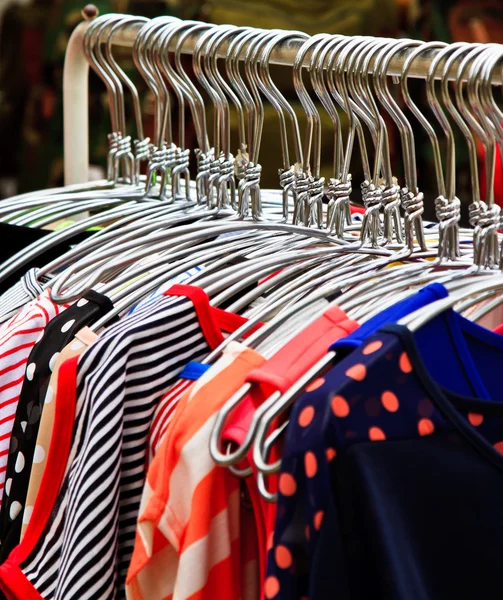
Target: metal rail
75, 85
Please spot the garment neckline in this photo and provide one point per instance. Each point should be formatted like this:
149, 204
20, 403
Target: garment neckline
447, 402
458, 328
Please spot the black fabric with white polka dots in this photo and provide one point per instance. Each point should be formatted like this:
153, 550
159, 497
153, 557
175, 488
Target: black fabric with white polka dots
23, 451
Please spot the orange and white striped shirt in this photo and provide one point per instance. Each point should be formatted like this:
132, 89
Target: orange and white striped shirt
188, 540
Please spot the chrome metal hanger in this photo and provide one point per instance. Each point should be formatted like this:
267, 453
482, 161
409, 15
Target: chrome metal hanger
222, 166
264, 81
277, 399
141, 143
407, 139
338, 207
337, 79
161, 156
246, 127
119, 143
447, 207
489, 220
313, 209
437, 157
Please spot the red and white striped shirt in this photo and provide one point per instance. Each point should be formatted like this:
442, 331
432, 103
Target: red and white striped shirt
189, 530
17, 338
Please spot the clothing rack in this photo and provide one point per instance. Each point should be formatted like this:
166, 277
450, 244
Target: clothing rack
76, 71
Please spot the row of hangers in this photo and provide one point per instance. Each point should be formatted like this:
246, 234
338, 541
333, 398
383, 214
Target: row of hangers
157, 226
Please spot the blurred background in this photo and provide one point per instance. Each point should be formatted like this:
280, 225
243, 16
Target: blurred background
34, 34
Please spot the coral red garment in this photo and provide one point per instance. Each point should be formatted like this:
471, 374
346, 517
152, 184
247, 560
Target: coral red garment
279, 374
188, 537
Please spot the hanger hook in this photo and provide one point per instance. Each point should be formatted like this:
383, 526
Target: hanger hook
90, 45
313, 129
127, 20
461, 49
377, 125
448, 208
152, 76
210, 66
489, 220
119, 143
437, 157
234, 75
193, 92
318, 58
227, 36
160, 57
200, 46
396, 113
495, 114
338, 213
339, 89
268, 87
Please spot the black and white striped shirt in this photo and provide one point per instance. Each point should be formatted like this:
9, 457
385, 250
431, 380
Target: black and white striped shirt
87, 543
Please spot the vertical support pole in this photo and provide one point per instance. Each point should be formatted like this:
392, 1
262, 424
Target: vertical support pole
76, 104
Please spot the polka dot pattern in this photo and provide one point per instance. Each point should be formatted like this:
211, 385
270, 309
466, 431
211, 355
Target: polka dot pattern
372, 395
37, 392
67, 326
311, 464
340, 407
330, 453
376, 434
52, 362
306, 416
27, 514
271, 588
390, 401
475, 419
287, 484
20, 462
15, 509
372, 347
314, 385
318, 519
30, 371
39, 455
425, 408
357, 372
283, 557
425, 427
404, 362
49, 395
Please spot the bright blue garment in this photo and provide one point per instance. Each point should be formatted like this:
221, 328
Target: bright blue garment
193, 370
393, 455
392, 314
460, 355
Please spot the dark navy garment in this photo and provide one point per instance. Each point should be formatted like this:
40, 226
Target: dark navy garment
294, 464
390, 457
400, 497
460, 355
